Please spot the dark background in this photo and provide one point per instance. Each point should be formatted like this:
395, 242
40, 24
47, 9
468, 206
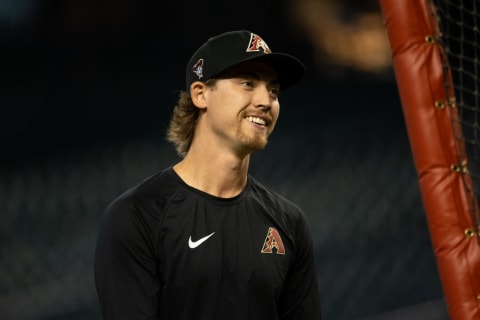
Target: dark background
87, 88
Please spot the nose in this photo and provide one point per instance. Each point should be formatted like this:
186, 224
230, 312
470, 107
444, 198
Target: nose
263, 97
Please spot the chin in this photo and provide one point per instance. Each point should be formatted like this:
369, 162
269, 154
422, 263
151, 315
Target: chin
253, 144
258, 145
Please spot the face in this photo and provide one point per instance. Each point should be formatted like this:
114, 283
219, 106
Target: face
243, 107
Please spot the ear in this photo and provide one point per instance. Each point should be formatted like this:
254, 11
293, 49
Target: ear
198, 92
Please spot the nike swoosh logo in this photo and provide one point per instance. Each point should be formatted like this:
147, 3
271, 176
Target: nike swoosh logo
194, 244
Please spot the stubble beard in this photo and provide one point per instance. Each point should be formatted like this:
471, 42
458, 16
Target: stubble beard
251, 143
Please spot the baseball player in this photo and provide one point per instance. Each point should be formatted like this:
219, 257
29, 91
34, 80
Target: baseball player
203, 239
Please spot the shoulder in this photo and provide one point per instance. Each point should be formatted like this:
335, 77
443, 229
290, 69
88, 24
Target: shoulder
275, 202
272, 197
145, 200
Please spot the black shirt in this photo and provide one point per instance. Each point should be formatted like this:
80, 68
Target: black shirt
168, 251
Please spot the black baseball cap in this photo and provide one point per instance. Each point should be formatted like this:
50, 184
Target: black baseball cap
231, 48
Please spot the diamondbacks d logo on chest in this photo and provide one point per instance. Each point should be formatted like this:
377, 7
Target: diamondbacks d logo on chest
273, 242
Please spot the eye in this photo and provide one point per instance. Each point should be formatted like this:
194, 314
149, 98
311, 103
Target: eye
275, 91
247, 83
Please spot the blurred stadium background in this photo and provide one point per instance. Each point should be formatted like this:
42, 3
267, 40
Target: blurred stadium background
87, 91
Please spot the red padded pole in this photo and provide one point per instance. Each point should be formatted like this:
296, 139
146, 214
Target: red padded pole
438, 155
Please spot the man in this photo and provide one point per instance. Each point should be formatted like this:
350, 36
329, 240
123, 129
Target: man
203, 239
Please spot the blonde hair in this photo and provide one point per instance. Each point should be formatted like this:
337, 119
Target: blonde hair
184, 119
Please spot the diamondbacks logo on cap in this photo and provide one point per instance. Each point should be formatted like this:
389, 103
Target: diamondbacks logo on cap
273, 241
256, 43
198, 68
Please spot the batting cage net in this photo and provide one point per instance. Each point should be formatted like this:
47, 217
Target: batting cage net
434, 50
459, 35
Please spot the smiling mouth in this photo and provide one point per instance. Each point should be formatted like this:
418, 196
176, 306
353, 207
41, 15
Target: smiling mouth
256, 120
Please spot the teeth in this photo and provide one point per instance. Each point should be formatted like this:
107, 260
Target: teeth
256, 120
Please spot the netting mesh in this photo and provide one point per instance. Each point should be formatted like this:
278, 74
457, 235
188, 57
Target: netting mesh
460, 36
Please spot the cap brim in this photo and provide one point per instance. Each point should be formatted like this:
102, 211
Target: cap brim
289, 69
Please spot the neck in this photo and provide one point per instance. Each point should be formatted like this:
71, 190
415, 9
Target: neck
222, 175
